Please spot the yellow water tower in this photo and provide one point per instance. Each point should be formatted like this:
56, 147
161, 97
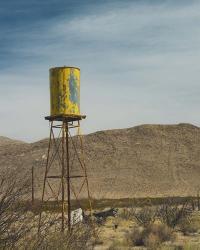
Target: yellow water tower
65, 116
65, 91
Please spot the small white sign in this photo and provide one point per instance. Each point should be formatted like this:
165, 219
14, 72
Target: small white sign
76, 216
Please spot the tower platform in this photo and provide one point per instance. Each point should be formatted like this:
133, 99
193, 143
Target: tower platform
65, 118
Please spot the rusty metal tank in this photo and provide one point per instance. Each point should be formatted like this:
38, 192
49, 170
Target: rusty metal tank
65, 91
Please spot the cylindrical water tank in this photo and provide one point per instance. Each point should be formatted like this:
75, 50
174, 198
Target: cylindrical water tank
65, 91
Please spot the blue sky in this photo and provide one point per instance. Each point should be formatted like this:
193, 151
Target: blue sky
139, 62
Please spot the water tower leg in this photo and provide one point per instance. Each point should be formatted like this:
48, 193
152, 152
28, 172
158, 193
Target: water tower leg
85, 170
63, 177
68, 176
45, 175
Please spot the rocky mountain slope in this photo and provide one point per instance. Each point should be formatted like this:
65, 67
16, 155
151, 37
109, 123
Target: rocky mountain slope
146, 160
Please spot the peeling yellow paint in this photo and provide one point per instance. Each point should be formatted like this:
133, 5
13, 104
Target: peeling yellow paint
65, 91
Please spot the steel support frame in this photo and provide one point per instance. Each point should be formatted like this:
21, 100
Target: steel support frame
65, 176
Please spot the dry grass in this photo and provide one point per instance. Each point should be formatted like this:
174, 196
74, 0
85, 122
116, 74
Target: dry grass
145, 216
171, 213
170, 247
19, 226
191, 246
152, 236
13, 217
81, 237
190, 224
119, 245
136, 236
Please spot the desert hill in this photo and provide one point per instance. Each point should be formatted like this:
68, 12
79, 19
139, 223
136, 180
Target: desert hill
7, 141
146, 160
